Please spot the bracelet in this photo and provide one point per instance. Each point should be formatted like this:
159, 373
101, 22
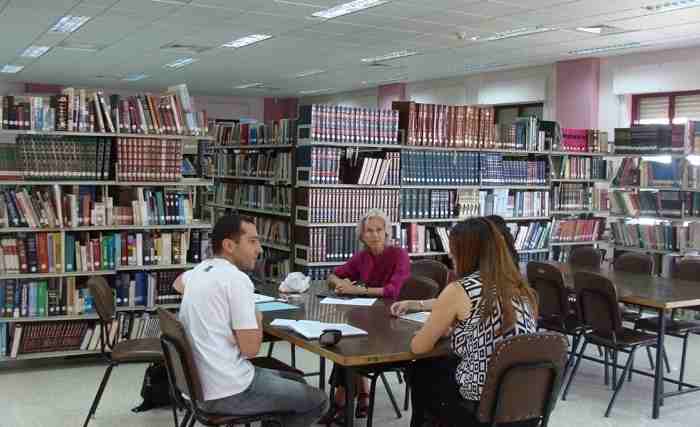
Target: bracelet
421, 304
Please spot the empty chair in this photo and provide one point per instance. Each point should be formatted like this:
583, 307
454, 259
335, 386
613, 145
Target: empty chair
636, 263
144, 350
555, 309
585, 257
185, 382
432, 269
688, 269
600, 312
523, 379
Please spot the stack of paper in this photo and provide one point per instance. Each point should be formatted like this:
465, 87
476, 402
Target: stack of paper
352, 301
312, 329
421, 316
262, 298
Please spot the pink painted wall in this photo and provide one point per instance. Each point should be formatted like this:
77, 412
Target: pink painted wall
387, 94
578, 82
280, 108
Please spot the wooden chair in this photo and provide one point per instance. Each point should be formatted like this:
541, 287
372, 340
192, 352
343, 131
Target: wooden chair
688, 269
431, 269
600, 313
635, 263
523, 379
585, 257
415, 288
145, 350
185, 381
555, 309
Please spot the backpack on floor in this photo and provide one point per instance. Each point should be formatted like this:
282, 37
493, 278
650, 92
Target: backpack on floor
155, 390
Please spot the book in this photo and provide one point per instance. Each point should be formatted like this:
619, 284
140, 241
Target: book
311, 329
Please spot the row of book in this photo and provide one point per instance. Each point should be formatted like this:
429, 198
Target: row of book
273, 230
600, 200
439, 168
90, 110
665, 237
145, 159
534, 235
691, 175
689, 237
345, 205
691, 205
654, 139
583, 140
231, 133
77, 206
513, 203
533, 256
275, 165
496, 170
653, 172
276, 266
382, 169
662, 203
419, 203
579, 168
421, 238
26, 338
577, 197
83, 252
40, 298
329, 244
577, 230
252, 196
337, 123
317, 274
332, 165
148, 289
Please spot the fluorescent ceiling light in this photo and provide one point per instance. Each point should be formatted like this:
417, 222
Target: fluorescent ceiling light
247, 40
11, 69
181, 62
176, 2
35, 51
592, 30
475, 67
69, 24
134, 77
591, 50
518, 32
391, 55
248, 85
348, 8
600, 29
672, 5
308, 73
387, 80
312, 91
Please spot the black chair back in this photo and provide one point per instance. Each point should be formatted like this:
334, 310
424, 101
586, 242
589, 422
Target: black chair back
103, 298
553, 296
597, 301
432, 269
419, 287
687, 269
585, 257
632, 262
523, 379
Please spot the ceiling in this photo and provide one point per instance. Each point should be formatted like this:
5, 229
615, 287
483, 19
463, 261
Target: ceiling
129, 36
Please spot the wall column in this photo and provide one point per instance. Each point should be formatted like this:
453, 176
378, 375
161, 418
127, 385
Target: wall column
280, 108
386, 94
577, 93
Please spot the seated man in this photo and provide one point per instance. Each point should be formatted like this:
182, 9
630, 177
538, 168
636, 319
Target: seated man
219, 314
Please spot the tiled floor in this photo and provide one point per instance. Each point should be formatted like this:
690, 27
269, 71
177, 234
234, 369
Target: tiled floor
57, 397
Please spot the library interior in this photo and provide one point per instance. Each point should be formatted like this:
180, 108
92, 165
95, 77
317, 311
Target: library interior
347, 212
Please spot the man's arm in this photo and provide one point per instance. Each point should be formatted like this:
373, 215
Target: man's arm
250, 340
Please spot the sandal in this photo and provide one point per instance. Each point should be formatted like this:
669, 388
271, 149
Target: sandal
362, 407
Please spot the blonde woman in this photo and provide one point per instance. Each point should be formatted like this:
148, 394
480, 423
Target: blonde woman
379, 270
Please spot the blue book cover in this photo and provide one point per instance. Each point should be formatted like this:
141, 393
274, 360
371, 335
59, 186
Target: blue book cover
141, 288
32, 303
69, 261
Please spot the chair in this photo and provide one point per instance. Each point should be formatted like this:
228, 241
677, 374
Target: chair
185, 381
144, 350
432, 269
636, 263
688, 269
555, 310
415, 288
600, 312
585, 257
523, 379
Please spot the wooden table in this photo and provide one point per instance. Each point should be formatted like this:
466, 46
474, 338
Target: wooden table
659, 293
387, 339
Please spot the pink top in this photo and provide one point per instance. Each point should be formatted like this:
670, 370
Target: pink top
388, 270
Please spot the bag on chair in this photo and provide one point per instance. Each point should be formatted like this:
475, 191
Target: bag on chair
155, 390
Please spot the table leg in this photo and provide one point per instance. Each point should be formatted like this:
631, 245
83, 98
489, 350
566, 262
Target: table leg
322, 373
659, 369
350, 379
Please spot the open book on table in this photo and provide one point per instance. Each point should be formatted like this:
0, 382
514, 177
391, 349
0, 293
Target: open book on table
312, 329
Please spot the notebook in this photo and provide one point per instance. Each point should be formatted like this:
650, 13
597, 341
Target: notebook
421, 316
312, 329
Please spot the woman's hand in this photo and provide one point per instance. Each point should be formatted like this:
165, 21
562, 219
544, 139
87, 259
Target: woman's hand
400, 308
347, 288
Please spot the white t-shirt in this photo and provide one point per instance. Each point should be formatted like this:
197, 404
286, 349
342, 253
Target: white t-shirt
218, 298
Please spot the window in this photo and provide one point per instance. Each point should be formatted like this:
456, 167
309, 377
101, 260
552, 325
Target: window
507, 114
664, 108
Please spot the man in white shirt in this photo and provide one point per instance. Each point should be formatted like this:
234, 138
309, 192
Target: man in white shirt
219, 314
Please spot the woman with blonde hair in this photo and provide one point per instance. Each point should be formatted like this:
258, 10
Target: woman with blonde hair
490, 302
379, 270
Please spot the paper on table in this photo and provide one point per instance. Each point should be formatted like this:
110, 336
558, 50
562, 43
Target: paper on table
421, 316
353, 301
274, 306
262, 298
312, 329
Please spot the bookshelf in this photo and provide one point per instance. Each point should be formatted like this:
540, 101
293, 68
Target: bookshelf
65, 216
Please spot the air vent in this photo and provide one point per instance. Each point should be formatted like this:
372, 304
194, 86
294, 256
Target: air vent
185, 48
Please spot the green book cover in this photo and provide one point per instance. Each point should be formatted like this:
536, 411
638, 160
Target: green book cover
42, 298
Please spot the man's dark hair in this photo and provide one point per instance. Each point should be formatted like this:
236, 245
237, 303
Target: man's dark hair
228, 227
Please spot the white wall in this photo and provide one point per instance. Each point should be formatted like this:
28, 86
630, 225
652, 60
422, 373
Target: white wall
366, 98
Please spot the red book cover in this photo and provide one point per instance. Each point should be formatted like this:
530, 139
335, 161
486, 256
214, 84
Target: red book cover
43, 252
22, 255
96, 254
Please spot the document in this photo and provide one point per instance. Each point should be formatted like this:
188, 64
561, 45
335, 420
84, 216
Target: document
312, 329
275, 306
262, 298
421, 316
366, 302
